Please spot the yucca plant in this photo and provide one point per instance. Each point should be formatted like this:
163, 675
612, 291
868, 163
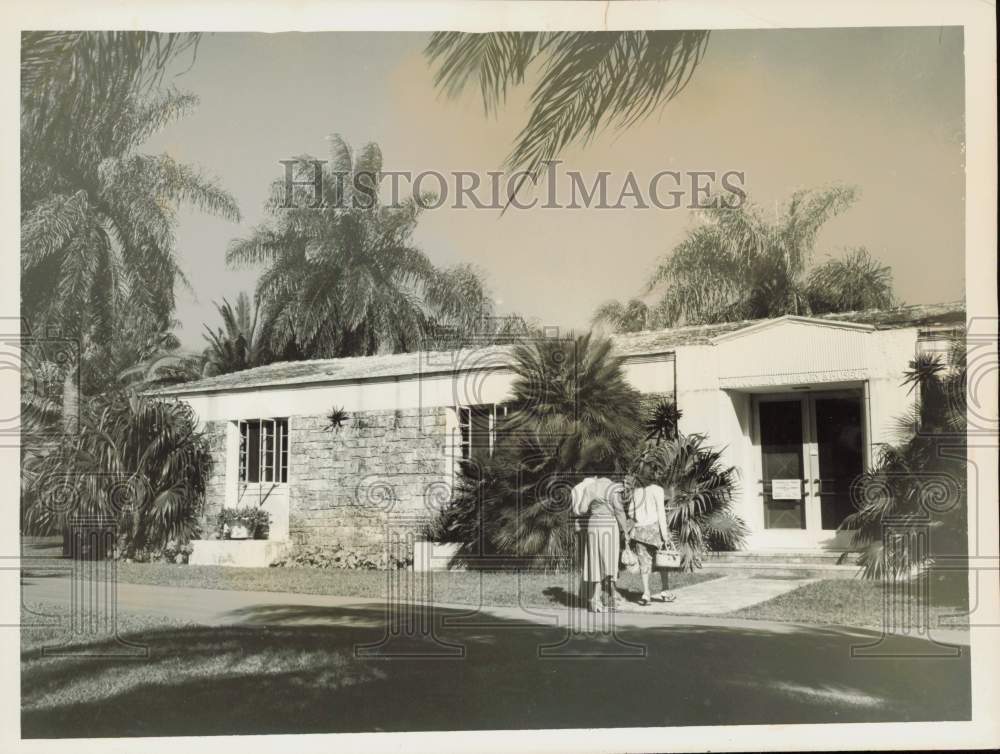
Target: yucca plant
138, 464
661, 426
919, 483
699, 490
576, 416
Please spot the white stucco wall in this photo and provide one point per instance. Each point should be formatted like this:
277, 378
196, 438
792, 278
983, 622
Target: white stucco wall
715, 386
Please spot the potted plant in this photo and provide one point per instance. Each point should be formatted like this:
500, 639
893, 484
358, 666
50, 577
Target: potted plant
244, 523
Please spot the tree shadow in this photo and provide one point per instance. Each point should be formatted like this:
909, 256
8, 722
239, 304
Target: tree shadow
297, 669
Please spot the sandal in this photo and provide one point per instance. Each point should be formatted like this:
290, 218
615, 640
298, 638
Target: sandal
595, 607
644, 600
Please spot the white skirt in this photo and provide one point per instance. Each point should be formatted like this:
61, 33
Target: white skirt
598, 549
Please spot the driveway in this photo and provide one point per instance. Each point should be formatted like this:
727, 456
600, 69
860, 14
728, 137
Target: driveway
267, 662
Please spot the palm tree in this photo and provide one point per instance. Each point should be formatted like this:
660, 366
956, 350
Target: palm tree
97, 243
739, 264
629, 317
243, 341
853, 283
69, 76
97, 224
576, 415
699, 492
587, 80
921, 480
346, 279
139, 464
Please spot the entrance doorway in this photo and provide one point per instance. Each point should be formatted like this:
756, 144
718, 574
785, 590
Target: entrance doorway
812, 448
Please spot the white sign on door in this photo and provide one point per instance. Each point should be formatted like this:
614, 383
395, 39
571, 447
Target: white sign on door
786, 489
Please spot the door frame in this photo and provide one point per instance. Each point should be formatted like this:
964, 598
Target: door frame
813, 535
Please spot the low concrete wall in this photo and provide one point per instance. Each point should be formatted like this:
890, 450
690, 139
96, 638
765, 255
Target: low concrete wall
434, 556
244, 553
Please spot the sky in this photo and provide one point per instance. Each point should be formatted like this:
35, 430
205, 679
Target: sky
880, 109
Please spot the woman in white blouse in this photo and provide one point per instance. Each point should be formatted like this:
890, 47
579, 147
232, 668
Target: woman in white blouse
649, 532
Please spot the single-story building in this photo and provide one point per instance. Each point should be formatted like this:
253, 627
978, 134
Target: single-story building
800, 405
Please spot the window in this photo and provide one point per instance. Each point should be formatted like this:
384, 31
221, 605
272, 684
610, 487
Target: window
481, 427
263, 451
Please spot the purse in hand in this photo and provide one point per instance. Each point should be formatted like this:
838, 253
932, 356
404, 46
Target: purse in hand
668, 557
629, 560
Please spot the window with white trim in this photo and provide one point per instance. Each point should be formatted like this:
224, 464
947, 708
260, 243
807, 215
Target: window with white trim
481, 427
263, 451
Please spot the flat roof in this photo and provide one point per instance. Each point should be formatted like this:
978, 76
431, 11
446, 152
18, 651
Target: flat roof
638, 344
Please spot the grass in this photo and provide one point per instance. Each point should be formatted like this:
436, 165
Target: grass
502, 589
292, 677
827, 602
456, 587
857, 603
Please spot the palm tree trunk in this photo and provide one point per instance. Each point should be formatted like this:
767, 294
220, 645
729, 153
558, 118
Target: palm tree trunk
70, 425
70, 401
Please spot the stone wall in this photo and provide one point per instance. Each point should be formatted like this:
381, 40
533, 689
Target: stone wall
381, 466
215, 489
345, 484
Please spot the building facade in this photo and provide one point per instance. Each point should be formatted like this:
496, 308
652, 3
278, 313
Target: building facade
799, 404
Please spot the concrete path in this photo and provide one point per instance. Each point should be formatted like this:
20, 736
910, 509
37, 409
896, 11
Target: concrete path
217, 607
721, 596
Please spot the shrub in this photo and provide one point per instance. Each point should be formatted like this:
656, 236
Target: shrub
699, 491
338, 556
576, 415
921, 481
136, 463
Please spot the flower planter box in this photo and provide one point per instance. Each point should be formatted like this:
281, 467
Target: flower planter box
243, 553
239, 531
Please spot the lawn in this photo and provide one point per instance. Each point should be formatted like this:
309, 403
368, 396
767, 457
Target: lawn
454, 587
853, 602
502, 589
188, 679
856, 602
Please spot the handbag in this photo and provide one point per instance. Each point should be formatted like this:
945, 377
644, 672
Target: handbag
668, 557
630, 561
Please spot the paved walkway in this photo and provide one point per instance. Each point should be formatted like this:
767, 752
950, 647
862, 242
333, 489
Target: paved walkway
723, 595
218, 607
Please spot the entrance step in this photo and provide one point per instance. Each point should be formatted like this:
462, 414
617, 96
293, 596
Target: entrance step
788, 564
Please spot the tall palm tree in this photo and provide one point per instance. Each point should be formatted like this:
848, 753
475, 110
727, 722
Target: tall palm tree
632, 316
97, 244
243, 341
97, 224
346, 279
587, 80
740, 263
854, 282
69, 76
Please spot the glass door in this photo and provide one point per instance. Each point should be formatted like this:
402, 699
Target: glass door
838, 455
812, 451
783, 458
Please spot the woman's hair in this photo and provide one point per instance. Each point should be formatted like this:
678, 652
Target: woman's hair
642, 475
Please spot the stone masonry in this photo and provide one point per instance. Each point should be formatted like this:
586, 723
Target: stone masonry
381, 466
346, 484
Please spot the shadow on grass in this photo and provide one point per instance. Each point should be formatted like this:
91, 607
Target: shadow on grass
300, 674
